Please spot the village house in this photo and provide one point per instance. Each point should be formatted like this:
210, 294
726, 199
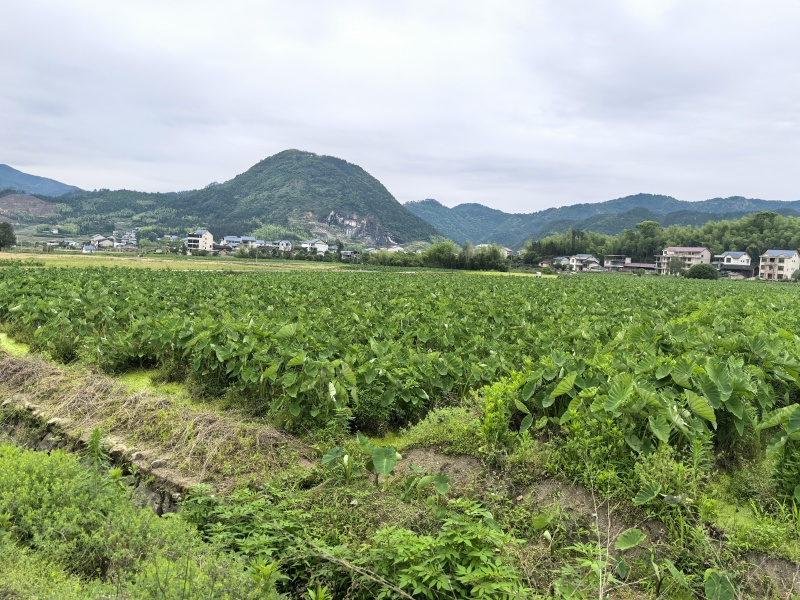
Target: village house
562, 261
200, 240
316, 244
584, 262
687, 255
777, 265
734, 264
635, 266
615, 262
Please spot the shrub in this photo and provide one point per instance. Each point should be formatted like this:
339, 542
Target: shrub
702, 271
65, 515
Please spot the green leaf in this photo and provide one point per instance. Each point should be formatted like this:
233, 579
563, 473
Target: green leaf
660, 427
425, 481
776, 417
541, 423
681, 372
700, 406
529, 389
734, 404
521, 407
541, 520
332, 455
777, 442
619, 391
365, 444
441, 483
349, 375
710, 390
794, 421
634, 442
622, 567
718, 586
526, 423
384, 458
663, 370
629, 538
286, 332
646, 494
677, 575
797, 493
298, 359
564, 385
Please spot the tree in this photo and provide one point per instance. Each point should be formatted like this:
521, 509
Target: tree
702, 271
7, 237
675, 266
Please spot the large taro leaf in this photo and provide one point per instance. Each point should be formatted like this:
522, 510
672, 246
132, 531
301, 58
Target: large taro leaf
384, 459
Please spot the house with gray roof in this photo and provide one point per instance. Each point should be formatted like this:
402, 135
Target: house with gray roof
778, 265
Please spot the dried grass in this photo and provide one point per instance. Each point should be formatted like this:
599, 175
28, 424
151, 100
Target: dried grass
207, 446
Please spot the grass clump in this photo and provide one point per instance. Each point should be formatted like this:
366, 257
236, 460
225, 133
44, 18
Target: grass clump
451, 430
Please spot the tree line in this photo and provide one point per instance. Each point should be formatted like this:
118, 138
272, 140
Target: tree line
753, 234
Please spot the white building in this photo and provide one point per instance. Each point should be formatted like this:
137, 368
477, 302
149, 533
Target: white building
777, 265
318, 245
584, 262
688, 256
200, 240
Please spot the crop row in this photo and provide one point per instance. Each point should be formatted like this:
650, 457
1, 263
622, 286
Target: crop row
385, 347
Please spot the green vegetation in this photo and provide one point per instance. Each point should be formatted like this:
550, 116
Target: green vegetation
702, 271
753, 234
69, 530
287, 192
478, 224
7, 237
443, 255
666, 407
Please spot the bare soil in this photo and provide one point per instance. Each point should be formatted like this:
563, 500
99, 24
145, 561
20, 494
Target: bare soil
24, 203
463, 471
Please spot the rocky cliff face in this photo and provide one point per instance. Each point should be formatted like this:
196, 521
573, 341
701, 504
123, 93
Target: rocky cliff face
351, 225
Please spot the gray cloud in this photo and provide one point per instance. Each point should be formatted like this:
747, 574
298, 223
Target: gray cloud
518, 105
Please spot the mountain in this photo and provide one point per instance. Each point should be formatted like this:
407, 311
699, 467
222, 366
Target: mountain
11, 179
295, 188
292, 191
479, 224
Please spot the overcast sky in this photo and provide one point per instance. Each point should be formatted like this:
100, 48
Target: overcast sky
518, 105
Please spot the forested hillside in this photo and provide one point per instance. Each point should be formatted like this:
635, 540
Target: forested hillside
478, 224
292, 191
12, 179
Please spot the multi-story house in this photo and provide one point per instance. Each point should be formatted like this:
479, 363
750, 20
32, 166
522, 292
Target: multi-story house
316, 244
687, 255
776, 265
584, 262
734, 264
200, 240
615, 262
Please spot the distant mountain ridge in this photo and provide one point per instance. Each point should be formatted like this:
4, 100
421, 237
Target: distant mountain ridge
479, 224
12, 179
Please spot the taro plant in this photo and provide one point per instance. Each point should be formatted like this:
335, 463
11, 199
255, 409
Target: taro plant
338, 456
420, 480
383, 459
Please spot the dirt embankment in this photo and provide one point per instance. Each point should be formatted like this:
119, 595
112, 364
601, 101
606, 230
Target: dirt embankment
169, 442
